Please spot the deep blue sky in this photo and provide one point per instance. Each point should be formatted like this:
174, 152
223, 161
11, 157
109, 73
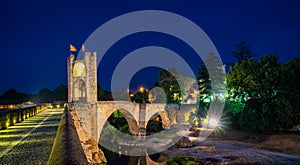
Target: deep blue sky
35, 35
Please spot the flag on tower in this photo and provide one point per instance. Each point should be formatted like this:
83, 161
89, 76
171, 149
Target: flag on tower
72, 48
83, 48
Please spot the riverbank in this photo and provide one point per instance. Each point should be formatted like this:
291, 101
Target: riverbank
234, 147
283, 142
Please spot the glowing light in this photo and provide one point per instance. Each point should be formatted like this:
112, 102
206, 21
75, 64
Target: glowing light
142, 89
176, 96
79, 69
206, 100
213, 122
157, 118
116, 113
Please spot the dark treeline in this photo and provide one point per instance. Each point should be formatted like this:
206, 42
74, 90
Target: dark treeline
45, 95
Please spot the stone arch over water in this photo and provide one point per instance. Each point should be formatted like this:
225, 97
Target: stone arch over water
106, 108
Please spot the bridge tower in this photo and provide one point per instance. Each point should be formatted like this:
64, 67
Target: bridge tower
82, 90
82, 78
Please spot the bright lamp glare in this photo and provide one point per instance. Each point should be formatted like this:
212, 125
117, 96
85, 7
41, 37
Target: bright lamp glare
213, 122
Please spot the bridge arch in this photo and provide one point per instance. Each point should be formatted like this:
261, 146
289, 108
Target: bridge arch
149, 161
107, 108
154, 125
132, 123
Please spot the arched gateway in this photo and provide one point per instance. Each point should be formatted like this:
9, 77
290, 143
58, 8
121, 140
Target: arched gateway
92, 114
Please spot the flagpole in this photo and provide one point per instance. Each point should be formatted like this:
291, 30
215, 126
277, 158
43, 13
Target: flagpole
72, 49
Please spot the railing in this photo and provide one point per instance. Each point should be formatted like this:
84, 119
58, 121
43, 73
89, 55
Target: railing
11, 117
67, 148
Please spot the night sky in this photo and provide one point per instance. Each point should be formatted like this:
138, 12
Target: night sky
35, 35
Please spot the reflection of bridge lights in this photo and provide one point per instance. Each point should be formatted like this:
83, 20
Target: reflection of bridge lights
213, 122
157, 118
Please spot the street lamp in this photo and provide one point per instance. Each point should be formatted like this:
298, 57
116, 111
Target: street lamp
142, 89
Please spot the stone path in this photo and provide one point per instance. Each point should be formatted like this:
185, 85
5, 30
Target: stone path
30, 142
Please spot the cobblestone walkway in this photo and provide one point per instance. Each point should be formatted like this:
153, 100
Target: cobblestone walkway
30, 142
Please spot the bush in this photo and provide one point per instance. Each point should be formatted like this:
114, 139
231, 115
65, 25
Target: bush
183, 160
233, 110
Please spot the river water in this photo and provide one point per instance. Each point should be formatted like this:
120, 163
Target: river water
116, 159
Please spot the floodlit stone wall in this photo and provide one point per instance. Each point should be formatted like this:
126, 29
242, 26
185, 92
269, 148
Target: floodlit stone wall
11, 117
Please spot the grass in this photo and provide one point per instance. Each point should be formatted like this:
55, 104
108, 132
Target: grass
155, 141
183, 160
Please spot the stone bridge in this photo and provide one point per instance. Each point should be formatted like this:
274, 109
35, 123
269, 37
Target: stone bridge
90, 115
94, 116
90, 118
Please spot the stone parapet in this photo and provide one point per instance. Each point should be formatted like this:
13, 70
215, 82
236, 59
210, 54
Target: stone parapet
67, 148
11, 117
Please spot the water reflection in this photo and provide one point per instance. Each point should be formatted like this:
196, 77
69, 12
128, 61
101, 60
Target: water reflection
120, 159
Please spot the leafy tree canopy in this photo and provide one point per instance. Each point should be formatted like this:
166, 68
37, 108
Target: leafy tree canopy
266, 90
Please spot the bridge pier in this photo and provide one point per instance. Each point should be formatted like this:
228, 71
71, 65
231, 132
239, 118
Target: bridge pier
142, 119
94, 135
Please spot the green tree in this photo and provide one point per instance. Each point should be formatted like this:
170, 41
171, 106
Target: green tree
170, 85
204, 82
61, 93
184, 160
103, 94
141, 97
290, 88
211, 69
232, 110
261, 86
243, 52
12, 96
45, 95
